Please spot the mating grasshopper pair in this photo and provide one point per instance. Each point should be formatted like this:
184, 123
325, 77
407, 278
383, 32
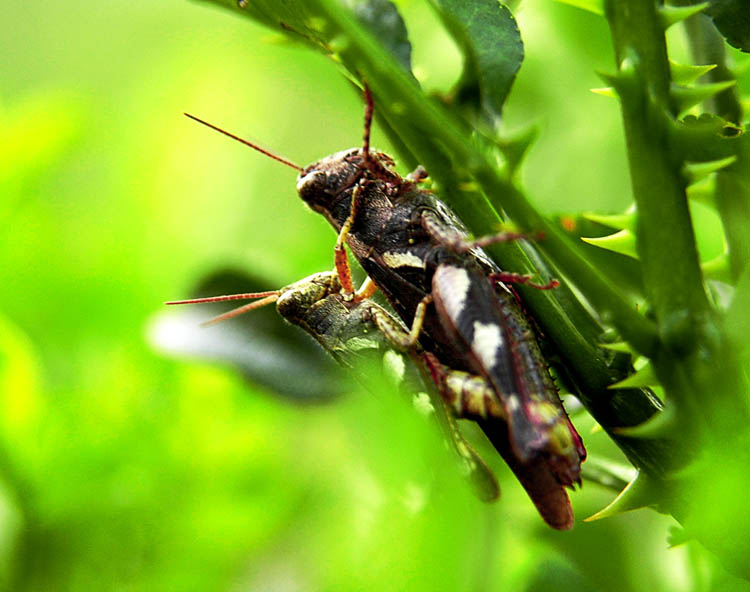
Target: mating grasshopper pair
462, 317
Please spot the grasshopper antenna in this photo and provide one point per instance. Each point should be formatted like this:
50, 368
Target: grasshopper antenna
369, 109
265, 298
276, 157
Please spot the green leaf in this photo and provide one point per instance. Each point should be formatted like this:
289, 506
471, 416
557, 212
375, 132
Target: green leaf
595, 6
704, 138
259, 345
732, 19
489, 38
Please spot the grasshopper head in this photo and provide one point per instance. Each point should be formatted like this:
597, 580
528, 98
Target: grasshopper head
322, 184
297, 299
326, 185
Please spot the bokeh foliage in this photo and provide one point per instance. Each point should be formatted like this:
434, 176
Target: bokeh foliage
122, 469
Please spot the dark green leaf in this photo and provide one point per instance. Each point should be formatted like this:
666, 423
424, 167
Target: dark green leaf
383, 20
265, 349
704, 138
488, 35
732, 18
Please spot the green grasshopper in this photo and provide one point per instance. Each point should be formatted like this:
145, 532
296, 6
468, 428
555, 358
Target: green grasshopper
355, 332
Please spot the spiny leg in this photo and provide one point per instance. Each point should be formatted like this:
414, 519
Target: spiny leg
343, 268
400, 339
468, 395
479, 473
457, 241
367, 289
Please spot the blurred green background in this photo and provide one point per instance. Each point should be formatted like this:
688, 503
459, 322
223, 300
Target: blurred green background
123, 469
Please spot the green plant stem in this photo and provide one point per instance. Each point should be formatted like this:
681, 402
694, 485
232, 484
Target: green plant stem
732, 183
733, 201
690, 331
665, 240
707, 47
697, 365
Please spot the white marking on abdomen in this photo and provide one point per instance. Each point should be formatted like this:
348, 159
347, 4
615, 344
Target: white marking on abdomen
488, 340
457, 279
402, 259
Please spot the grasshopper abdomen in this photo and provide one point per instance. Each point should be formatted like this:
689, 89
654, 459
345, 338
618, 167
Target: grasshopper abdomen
491, 333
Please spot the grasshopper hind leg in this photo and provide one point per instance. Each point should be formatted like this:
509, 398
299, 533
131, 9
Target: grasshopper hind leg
479, 474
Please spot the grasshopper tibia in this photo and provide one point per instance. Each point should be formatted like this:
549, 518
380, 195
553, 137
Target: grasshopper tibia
455, 240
